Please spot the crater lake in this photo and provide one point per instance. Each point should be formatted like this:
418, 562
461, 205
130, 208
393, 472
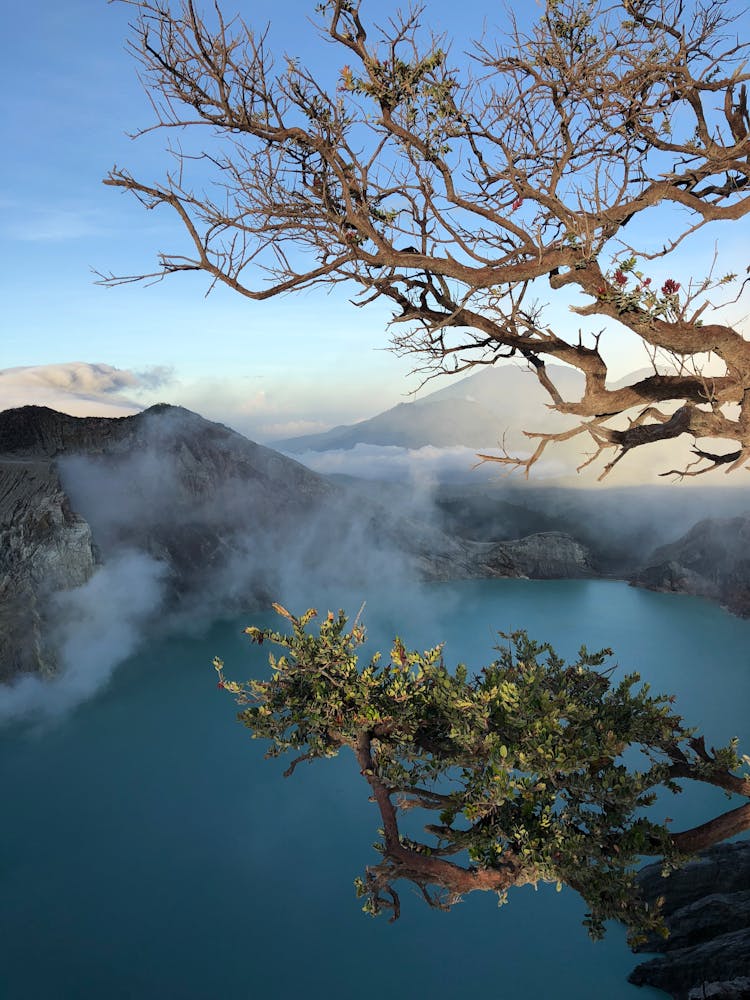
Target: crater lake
147, 850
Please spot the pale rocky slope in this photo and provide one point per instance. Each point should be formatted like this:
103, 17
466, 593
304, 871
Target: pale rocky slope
44, 547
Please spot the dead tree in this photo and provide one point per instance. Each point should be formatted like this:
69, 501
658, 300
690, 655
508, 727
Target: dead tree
464, 193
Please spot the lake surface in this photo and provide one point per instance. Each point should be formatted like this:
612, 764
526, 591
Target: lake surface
148, 851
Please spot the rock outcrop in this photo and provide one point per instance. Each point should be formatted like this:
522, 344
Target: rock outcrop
547, 555
712, 560
707, 911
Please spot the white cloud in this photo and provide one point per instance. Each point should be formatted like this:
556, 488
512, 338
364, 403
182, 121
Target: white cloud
290, 428
421, 466
80, 388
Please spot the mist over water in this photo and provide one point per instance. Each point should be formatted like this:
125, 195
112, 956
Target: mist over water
181, 545
393, 463
185, 538
96, 627
181, 549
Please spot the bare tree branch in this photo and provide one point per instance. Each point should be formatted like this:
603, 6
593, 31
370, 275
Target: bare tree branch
456, 193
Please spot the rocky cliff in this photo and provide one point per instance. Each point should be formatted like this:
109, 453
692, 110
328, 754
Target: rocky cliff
74, 491
546, 555
44, 547
712, 560
707, 910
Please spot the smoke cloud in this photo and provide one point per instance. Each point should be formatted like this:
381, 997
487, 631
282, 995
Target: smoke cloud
189, 533
392, 463
193, 525
97, 626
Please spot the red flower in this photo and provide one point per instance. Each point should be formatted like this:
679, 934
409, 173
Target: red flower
620, 278
517, 204
670, 287
220, 684
647, 282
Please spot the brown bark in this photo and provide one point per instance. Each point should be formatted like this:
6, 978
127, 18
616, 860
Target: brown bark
704, 768
729, 824
424, 869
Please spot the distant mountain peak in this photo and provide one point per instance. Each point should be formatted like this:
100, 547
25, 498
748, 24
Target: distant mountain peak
471, 412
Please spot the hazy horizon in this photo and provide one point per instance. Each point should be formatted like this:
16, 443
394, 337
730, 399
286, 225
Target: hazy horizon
82, 389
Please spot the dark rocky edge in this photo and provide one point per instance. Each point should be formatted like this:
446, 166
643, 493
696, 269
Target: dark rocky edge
545, 555
707, 911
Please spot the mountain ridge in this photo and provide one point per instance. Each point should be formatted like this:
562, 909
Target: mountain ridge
471, 412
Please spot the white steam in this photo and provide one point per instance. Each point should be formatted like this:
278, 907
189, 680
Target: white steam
188, 538
394, 463
190, 532
96, 626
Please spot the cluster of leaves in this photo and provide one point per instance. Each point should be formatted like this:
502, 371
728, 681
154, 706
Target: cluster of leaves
524, 762
418, 90
572, 26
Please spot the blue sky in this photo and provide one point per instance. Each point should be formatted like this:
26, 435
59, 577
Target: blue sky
66, 128
291, 364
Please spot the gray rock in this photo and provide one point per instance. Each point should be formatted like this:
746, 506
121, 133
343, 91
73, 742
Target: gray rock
548, 555
685, 971
44, 547
724, 868
737, 989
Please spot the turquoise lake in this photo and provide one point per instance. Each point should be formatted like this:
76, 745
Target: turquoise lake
147, 850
